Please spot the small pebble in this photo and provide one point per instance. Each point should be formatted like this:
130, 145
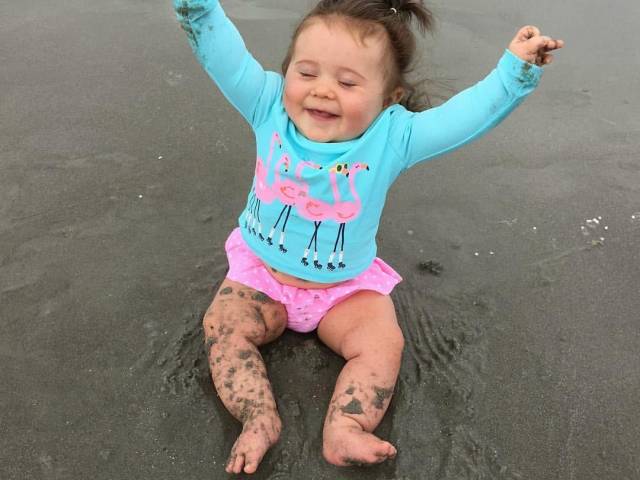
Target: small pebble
491, 253
160, 157
606, 228
139, 196
476, 254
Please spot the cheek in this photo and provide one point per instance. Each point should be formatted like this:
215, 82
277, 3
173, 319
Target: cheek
362, 111
293, 93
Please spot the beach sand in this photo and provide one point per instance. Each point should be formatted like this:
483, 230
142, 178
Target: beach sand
123, 169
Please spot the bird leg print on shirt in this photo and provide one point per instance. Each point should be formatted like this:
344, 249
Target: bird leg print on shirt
261, 191
314, 241
345, 212
317, 211
288, 192
330, 264
265, 192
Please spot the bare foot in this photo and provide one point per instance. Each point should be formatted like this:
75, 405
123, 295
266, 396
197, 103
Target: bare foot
257, 436
351, 446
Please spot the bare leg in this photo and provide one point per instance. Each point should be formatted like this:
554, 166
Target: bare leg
363, 329
237, 322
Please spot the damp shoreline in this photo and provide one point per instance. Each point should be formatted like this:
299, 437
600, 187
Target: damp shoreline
123, 170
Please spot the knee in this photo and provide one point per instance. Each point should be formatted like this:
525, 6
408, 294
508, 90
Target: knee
222, 324
384, 345
387, 351
392, 342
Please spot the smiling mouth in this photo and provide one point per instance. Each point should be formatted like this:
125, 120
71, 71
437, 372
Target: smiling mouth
321, 114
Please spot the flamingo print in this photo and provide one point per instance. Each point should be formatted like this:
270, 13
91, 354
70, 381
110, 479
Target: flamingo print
288, 192
261, 191
317, 211
345, 212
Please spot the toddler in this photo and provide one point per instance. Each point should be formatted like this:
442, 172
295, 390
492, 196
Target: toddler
332, 132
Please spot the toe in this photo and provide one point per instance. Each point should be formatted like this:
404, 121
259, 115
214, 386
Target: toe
252, 461
231, 460
250, 467
239, 463
373, 450
387, 450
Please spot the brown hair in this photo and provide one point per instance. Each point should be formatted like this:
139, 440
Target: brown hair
372, 16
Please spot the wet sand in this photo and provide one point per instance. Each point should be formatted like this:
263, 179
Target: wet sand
122, 170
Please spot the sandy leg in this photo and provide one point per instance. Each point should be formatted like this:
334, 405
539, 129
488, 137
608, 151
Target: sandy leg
363, 329
358, 404
238, 320
241, 381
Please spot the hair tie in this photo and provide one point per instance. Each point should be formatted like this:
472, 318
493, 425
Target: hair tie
394, 10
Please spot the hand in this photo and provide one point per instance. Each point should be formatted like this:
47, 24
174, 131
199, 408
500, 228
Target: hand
532, 47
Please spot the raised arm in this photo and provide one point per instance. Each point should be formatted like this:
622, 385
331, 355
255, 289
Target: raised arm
469, 114
220, 49
476, 110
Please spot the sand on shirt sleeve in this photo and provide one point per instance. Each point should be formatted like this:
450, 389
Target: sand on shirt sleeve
468, 115
221, 51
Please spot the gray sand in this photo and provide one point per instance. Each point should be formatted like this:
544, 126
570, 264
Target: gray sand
122, 170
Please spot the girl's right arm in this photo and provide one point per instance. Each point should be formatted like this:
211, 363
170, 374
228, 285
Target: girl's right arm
220, 49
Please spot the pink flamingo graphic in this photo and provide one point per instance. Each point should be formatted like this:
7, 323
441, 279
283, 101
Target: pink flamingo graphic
288, 192
268, 196
261, 191
345, 212
317, 211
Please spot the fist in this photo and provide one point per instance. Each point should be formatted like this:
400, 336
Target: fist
532, 47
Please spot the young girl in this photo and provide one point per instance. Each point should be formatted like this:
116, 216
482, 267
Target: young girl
333, 132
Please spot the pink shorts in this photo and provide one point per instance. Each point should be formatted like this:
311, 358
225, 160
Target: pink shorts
305, 306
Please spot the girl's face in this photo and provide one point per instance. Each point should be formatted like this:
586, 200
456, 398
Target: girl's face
335, 85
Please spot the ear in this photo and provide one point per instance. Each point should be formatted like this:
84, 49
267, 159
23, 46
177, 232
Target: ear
394, 97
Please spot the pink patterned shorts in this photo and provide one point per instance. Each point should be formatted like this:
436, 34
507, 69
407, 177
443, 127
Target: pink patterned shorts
305, 306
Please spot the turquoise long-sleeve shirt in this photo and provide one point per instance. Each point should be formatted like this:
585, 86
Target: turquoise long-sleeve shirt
320, 224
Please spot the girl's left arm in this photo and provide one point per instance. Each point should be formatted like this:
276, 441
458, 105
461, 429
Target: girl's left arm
469, 114
476, 110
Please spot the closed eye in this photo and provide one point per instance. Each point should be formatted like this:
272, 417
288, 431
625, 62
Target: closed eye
347, 84
306, 75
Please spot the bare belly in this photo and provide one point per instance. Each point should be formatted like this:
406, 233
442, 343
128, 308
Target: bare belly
292, 281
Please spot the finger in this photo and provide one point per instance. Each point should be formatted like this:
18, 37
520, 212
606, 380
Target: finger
527, 32
536, 44
554, 45
544, 59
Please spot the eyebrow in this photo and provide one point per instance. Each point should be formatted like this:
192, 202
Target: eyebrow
346, 69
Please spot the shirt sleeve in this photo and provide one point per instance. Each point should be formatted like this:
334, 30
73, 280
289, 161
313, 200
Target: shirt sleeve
467, 115
219, 48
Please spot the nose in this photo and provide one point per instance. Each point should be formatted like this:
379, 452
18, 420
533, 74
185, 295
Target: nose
321, 90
